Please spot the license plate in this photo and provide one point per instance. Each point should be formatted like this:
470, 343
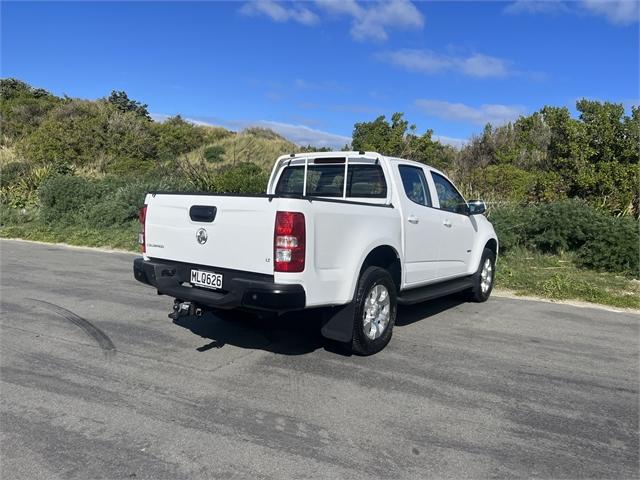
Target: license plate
206, 279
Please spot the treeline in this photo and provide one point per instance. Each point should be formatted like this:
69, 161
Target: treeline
114, 137
544, 157
111, 135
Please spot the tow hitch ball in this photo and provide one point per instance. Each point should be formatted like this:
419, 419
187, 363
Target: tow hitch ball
181, 309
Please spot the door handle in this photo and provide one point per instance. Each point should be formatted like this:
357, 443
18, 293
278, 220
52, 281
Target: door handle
446, 223
413, 219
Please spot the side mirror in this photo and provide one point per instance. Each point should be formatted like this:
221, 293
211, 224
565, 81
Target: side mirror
477, 207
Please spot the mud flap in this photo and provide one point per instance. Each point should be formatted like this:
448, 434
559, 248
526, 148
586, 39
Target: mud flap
339, 325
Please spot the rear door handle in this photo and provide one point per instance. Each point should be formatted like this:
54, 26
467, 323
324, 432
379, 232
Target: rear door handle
413, 219
446, 222
202, 213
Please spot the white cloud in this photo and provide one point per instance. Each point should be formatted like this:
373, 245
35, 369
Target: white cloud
617, 12
495, 114
280, 12
371, 20
427, 61
452, 141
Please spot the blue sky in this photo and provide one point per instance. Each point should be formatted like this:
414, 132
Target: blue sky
310, 70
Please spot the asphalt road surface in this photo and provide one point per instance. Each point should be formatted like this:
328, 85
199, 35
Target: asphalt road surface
97, 382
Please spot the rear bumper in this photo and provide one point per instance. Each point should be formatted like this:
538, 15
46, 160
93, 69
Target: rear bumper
239, 289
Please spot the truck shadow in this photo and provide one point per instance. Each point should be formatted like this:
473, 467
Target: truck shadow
291, 334
414, 313
296, 333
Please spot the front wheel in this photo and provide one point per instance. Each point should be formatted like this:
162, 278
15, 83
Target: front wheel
484, 278
375, 312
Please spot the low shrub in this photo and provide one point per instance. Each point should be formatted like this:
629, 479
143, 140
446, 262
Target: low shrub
213, 153
61, 196
599, 240
242, 178
121, 200
614, 247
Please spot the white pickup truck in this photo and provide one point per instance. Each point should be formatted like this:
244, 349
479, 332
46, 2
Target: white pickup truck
355, 233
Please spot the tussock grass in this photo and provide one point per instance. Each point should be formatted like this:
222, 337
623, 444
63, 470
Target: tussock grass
248, 146
557, 277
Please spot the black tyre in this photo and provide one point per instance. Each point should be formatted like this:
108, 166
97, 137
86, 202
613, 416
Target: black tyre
484, 278
375, 312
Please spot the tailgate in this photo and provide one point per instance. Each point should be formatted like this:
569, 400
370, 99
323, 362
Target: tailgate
239, 236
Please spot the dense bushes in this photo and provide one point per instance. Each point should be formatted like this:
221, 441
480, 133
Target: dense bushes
597, 240
63, 195
111, 201
22, 109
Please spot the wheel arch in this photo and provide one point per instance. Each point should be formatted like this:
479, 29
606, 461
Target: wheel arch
387, 257
492, 245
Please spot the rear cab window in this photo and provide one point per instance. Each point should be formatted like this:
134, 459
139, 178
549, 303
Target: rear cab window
326, 178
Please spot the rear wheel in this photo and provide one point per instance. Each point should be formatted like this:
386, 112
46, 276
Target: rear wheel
484, 278
375, 312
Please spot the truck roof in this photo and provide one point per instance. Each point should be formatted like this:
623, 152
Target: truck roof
348, 153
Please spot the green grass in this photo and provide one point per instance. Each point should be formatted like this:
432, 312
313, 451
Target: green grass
556, 277
521, 271
124, 237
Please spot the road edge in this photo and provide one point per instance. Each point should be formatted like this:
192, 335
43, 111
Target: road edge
502, 293
68, 245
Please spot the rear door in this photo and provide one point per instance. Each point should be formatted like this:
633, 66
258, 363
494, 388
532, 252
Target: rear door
455, 228
421, 226
212, 230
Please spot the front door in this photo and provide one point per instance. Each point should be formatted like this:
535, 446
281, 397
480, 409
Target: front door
456, 229
422, 240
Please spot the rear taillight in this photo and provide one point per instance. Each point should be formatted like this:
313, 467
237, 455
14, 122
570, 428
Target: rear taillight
142, 215
289, 239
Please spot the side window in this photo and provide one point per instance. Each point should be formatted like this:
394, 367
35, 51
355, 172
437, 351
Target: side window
291, 181
366, 181
450, 199
322, 181
415, 184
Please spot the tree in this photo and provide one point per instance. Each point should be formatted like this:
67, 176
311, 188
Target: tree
22, 108
176, 136
604, 128
399, 139
122, 102
94, 135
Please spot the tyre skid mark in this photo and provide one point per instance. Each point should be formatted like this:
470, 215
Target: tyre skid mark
103, 340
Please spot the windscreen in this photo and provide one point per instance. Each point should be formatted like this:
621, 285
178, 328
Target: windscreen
363, 181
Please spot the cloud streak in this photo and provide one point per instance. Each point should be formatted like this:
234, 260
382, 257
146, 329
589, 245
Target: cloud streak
278, 12
429, 62
496, 114
617, 12
371, 20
